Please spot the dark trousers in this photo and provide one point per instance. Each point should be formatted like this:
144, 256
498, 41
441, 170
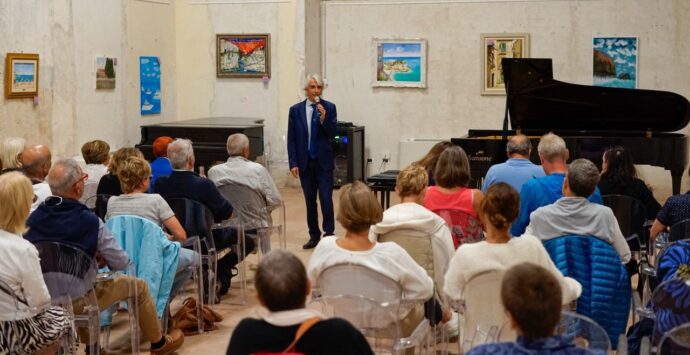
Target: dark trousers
315, 180
227, 238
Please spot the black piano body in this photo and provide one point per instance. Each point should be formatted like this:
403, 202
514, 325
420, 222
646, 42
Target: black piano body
589, 119
209, 136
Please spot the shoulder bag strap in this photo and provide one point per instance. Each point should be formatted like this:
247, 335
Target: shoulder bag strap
303, 328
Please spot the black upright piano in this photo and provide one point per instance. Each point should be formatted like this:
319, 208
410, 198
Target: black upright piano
209, 137
589, 119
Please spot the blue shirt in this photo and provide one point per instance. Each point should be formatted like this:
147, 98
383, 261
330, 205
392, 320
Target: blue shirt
555, 345
676, 209
541, 192
159, 167
514, 172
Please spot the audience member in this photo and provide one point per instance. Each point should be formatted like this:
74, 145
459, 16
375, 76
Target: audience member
675, 210
61, 218
20, 269
36, 161
452, 176
573, 214
240, 170
96, 155
12, 148
409, 214
619, 177
184, 183
110, 183
134, 177
518, 169
543, 191
160, 166
357, 212
428, 162
282, 287
499, 251
532, 298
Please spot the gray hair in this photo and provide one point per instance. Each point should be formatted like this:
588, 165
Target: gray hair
583, 177
519, 144
12, 148
281, 281
236, 144
552, 147
179, 152
310, 77
63, 174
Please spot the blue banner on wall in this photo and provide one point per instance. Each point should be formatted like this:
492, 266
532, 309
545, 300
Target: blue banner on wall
150, 80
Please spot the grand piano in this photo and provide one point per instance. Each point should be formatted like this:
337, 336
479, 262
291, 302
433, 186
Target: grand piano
589, 119
209, 136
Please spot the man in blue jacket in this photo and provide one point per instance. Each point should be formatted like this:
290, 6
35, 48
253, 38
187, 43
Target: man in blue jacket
311, 126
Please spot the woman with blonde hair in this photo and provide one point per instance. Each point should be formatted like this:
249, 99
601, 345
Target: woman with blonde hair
12, 148
30, 325
110, 183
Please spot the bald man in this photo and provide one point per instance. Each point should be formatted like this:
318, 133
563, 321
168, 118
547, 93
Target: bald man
518, 169
36, 162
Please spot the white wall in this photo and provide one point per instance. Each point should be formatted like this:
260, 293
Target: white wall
451, 103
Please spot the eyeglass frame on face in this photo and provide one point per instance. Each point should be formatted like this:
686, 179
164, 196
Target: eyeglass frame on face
83, 178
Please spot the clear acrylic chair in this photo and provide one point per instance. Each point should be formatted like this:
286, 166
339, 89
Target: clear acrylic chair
671, 257
586, 333
481, 311
678, 231
675, 341
419, 245
669, 306
131, 305
197, 221
70, 276
463, 227
98, 204
87, 198
373, 303
631, 215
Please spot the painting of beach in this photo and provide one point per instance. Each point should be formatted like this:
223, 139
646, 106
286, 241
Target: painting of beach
243, 56
614, 62
105, 73
21, 75
150, 79
400, 63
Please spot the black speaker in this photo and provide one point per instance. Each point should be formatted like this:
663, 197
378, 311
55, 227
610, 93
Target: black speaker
348, 149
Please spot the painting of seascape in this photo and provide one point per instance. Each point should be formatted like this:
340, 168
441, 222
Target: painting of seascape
615, 62
150, 80
21, 75
400, 63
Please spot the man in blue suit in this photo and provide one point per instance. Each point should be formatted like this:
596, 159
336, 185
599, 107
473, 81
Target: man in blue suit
311, 126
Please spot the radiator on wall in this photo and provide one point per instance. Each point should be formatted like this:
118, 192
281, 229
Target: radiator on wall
412, 149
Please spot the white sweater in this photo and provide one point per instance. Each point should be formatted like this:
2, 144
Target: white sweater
475, 258
409, 215
386, 258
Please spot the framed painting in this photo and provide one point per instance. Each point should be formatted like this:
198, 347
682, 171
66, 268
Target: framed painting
494, 47
400, 63
243, 55
105, 72
21, 75
614, 62
150, 85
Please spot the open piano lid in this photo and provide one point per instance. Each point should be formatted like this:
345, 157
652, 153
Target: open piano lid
536, 101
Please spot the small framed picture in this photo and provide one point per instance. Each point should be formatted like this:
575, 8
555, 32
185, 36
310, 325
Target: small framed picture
21, 75
614, 62
400, 63
243, 55
494, 47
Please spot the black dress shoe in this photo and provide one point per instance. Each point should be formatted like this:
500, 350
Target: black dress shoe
311, 244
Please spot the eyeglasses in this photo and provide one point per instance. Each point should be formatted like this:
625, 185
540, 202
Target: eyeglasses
82, 178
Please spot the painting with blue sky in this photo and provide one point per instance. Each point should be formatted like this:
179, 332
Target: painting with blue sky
615, 62
150, 80
401, 63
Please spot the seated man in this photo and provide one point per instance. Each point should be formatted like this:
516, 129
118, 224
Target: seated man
543, 191
36, 161
518, 169
676, 209
573, 214
282, 287
184, 183
239, 170
532, 298
61, 218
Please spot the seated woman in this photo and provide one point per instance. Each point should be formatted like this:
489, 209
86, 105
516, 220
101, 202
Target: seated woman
357, 212
110, 183
531, 296
160, 166
452, 193
32, 324
12, 147
619, 177
134, 176
428, 162
96, 155
499, 251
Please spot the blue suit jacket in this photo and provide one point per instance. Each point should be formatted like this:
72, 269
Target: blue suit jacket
298, 136
187, 184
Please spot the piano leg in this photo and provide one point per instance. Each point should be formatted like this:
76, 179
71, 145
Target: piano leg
676, 178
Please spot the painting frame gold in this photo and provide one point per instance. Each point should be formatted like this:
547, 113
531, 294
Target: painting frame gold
18, 83
490, 57
224, 68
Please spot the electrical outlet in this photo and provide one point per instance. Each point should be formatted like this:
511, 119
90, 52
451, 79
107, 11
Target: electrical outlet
386, 157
